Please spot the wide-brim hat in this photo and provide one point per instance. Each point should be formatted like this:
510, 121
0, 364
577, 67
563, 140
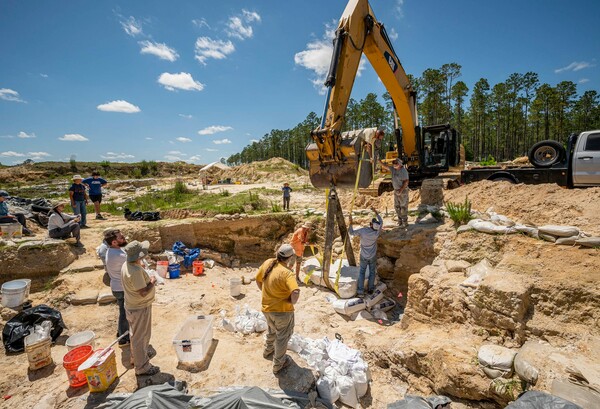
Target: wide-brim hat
77, 177
58, 204
307, 225
136, 250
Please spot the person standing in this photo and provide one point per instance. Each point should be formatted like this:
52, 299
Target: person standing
138, 287
95, 184
62, 225
298, 242
79, 200
400, 184
6, 217
114, 259
286, 189
368, 251
279, 294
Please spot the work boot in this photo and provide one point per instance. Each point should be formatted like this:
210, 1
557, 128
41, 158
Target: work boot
78, 244
28, 232
100, 217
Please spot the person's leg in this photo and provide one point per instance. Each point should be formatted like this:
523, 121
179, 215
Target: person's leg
404, 208
298, 265
361, 277
123, 325
397, 206
75, 231
83, 214
372, 271
97, 208
21, 219
284, 322
270, 336
140, 327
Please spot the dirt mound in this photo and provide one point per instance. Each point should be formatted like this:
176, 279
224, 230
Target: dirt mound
274, 169
536, 204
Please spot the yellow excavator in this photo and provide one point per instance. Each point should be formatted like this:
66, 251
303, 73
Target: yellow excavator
334, 156
342, 159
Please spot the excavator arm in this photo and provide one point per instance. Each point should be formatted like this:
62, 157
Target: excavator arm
333, 156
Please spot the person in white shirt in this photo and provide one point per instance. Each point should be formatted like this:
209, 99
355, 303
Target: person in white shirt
113, 262
62, 225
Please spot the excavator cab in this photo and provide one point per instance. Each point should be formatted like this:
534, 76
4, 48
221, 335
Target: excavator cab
439, 148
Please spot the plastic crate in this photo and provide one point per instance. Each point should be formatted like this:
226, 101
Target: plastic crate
194, 338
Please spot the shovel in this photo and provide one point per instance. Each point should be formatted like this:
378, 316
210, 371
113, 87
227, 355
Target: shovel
96, 356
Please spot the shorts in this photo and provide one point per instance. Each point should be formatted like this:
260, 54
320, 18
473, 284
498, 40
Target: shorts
96, 198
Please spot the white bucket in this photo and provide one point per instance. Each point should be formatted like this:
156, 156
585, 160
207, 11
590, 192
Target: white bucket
14, 293
81, 338
235, 286
11, 231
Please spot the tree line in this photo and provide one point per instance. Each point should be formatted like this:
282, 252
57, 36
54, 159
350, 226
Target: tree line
502, 121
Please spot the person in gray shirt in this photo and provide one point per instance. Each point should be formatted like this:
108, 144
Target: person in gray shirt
114, 259
400, 183
368, 251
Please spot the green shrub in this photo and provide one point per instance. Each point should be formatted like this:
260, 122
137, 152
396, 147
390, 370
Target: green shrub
144, 168
460, 213
490, 161
276, 207
225, 193
180, 188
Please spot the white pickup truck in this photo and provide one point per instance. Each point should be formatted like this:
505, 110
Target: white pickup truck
576, 166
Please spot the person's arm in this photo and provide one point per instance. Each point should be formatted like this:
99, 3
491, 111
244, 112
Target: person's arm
259, 285
383, 165
144, 291
404, 185
294, 296
85, 195
71, 197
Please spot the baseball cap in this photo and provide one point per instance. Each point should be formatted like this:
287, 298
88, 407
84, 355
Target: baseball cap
5, 194
285, 250
136, 250
376, 224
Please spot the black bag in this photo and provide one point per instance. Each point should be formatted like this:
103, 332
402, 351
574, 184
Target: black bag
22, 324
106, 279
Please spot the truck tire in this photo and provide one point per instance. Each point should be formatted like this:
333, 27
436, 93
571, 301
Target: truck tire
544, 154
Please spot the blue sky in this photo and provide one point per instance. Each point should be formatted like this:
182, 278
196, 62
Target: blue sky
199, 80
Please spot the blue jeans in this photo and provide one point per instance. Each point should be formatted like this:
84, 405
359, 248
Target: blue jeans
123, 325
372, 264
79, 208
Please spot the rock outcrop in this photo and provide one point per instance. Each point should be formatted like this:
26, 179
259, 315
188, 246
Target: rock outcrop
22, 260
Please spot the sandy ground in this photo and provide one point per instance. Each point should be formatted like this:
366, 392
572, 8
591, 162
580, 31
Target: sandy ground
236, 359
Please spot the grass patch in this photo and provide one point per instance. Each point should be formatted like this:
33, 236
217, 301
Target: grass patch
460, 213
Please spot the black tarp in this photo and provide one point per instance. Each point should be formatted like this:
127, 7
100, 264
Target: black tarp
541, 400
22, 324
418, 402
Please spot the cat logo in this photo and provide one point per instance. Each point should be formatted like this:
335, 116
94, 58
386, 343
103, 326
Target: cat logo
391, 61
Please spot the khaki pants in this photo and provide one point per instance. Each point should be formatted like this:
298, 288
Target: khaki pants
140, 330
401, 206
281, 328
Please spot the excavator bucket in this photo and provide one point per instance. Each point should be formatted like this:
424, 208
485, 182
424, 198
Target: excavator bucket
344, 172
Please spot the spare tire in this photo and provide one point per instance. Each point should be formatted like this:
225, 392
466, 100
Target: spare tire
544, 154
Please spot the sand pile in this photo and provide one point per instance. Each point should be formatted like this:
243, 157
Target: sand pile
271, 170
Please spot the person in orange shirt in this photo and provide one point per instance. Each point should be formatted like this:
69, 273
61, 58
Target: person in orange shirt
299, 241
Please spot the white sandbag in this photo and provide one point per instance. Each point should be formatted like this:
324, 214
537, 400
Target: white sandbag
310, 264
348, 283
547, 237
361, 384
340, 352
525, 371
379, 315
376, 296
106, 298
567, 241
496, 358
589, 242
347, 391
361, 315
327, 389
559, 231
464, 228
383, 305
528, 230
501, 220
491, 228
248, 321
349, 306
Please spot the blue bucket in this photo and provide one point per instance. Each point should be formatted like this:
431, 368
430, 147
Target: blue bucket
173, 270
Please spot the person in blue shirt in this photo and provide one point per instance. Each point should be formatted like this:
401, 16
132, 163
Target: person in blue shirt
6, 217
286, 189
368, 251
95, 184
79, 199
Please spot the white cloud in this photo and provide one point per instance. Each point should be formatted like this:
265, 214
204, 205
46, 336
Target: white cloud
178, 153
12, 154
399, 8
148, 138
183, 81
119, 106
207, 48
200, 23
132, 26
7, 136
8, 94
254, 140
43, 75
172, 158
584, 80
393, 34
38, 155
317, 58
194, 158
575, 66
25, 135
184, 140
210, 130
186, 116
73, 137
221, 141
250, 16
211, 150
113, 155
161, 50
239, 26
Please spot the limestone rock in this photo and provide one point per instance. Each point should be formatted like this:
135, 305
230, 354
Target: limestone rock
457, 265
24, 260
432, 192
84, 297
385, 267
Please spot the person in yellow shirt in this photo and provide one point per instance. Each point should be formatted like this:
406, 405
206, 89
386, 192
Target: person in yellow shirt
279, 294
299, 241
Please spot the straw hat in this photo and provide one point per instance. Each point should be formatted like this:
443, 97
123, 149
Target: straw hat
59, 204
136, 250
307, 225
77, 177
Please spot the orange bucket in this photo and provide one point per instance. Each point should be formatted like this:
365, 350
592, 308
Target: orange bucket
198, 268
71, 362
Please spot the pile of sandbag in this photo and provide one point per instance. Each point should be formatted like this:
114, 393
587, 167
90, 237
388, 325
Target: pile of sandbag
500, 362
348, 282
343, 374
372, 306
246, 321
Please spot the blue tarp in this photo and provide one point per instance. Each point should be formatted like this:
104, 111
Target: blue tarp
189, 255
